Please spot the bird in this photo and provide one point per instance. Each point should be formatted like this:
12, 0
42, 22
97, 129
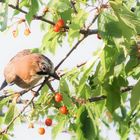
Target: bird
27, 68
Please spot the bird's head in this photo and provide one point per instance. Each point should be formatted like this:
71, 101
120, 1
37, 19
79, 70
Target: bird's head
46, 67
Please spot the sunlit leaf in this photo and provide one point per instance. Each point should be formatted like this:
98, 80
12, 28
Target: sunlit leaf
3, 15
58, 128
32, 11
86, 128
10, 114
135, 98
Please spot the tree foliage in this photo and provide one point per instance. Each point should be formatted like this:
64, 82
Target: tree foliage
97, 94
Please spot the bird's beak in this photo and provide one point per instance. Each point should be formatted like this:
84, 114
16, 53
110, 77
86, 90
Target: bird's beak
55, 75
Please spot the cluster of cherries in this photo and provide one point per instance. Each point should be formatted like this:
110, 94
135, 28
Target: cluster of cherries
59, 25
48, 121
26, 31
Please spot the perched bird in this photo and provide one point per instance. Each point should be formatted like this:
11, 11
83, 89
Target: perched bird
26, 68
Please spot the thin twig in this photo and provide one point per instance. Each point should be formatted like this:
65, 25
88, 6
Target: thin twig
82, 31
17, 4
98, 98
125, 89
12, 121
73, 6
8, 95
93, 21
68, 54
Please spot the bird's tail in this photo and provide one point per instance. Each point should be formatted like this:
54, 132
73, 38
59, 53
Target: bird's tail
4, 84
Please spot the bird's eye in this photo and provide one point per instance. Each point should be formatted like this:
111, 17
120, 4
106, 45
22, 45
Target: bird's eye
44, 68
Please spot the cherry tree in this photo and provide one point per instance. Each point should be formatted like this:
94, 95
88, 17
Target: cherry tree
88, 96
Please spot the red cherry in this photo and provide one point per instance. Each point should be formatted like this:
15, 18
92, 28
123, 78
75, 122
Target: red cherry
60, 23
48, 122
56, 28
41, 131
63, 110
58, 97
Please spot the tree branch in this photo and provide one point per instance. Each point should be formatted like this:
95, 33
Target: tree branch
98, 98
17, 8
8, 95
68, 54
73, 6
82, 31
12, 121
125, 89
94, 19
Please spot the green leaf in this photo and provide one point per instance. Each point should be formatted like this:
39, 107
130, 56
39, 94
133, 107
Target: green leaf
21, 4
5, 137
3, 15
92, 117
62, 5
49, 42
114, 31
43, 96
113, 95
3, 102
32, 10
58, 128
86, 128
84, 78
77, 23
10, 114
135, 96
113, 101
127, 18
108, 60
118, 69
66, 15
64, 89
86, 92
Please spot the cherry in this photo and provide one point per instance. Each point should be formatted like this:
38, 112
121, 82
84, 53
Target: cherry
21, 21
63, 110
58, 97
15, 33
27, 31
56, 28
31, 125
48, 122
60, 23
41, 131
